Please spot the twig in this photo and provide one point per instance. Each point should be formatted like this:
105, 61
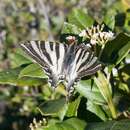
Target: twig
44, 11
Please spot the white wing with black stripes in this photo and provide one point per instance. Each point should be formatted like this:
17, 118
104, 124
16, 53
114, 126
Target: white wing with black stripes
49, 56
83, 63
62, 62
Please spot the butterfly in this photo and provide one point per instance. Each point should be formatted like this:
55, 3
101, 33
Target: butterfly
62, 62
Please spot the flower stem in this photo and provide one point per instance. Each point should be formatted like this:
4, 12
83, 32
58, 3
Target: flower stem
102, 48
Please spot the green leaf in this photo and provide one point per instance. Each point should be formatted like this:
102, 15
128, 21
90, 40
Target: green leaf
54, 107
79, 18
76, 123
94, 108
70, 124
104, 86
17, 58
28, 81
123, 52
32, 70
116, 49
73, 107
10, 77
105, 89
69, 28
109, 19
91, 92
110, 125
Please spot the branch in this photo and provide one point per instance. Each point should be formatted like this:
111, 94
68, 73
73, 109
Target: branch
44, 11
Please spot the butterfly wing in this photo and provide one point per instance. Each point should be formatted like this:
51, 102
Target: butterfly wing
49, 55
84, 64
88, 63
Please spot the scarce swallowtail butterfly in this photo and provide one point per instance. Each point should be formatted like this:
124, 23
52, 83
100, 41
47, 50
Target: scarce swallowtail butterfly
62, 62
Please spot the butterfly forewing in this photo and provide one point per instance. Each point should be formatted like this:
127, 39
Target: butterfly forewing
50, 56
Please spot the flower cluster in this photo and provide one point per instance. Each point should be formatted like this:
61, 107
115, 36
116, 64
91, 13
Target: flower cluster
37, 125
97, 35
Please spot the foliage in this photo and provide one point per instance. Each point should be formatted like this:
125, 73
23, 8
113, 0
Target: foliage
24, 91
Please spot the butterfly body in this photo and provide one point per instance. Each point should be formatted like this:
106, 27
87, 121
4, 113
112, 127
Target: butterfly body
61, 62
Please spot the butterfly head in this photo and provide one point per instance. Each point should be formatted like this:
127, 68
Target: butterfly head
71, 40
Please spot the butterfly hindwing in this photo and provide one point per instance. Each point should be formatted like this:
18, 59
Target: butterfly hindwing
84, 64
49, 55
88, 64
